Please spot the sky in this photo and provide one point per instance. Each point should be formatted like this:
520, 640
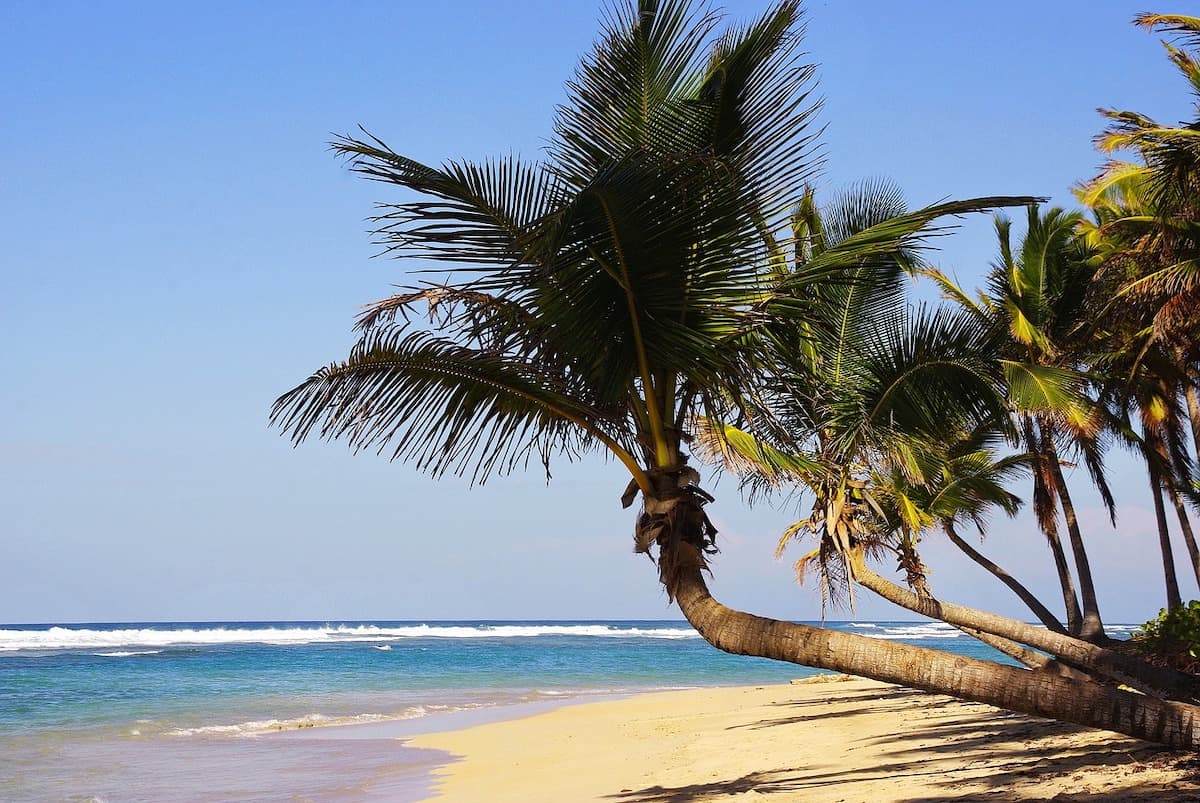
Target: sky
178, 247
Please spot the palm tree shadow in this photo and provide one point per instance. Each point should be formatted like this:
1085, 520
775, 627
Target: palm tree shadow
997, 752
763, 782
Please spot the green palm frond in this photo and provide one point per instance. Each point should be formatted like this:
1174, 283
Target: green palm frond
880, 244
446, 408
605, 296
925, 375
759, 464
634, 91
1034, 388
1117, 181
481, 213
758, 134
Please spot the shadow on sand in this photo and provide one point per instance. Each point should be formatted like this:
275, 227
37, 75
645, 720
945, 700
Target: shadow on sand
995, 756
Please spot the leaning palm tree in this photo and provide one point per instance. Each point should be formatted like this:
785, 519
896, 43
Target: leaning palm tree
887, 415
602, 300
1036, 304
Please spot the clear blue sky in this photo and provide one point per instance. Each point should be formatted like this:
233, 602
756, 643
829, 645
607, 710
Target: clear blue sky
177, 247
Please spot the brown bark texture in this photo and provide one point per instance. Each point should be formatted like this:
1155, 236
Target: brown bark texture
1158, 681
1038, 693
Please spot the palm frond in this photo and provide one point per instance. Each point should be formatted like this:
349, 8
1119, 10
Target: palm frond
741, 453
444, 407
1187, 27
1035, 388
481, 215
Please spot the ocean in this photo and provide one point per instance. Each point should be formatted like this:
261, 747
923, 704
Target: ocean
186, 711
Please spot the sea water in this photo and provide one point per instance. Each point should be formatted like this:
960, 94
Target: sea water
244, 710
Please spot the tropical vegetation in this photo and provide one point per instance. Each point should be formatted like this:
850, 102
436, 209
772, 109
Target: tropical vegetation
665, 286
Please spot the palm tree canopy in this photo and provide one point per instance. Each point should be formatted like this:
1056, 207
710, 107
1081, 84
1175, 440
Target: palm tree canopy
601, 298
592, 297
1148, 218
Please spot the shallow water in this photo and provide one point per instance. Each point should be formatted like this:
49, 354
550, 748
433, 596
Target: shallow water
238, 711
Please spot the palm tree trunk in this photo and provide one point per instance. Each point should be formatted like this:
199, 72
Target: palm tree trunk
1031, 659
1046, 520
1185, 526
1041, 694
1066, 582
1091, 626
1075, 652
1174, 599
1192, 395
1039, 610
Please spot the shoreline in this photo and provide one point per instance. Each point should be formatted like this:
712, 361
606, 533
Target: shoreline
829, 738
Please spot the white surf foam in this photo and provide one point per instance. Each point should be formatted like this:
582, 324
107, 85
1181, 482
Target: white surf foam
59, 638
259, 727
930, 630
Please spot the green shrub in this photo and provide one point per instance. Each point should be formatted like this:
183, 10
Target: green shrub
1173, 636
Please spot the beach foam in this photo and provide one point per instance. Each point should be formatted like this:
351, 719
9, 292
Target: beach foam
60, 638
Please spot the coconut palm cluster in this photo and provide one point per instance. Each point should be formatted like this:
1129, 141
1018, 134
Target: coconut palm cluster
665, 288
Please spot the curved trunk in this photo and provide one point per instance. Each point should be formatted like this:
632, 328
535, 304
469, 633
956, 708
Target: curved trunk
1085, 655
1090, 626
1039, 610
1038, 693
1171, 580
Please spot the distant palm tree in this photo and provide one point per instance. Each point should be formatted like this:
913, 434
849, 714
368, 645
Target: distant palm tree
1150, 208
603, 300
1147, 235
886, 419
1036, 303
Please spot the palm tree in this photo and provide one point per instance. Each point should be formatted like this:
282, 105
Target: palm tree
1149, 214
604, 299
1147, 233
1036, 303
1140, 380
1165, 224
873, 403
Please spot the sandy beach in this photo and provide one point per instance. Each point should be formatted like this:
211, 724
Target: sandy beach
840, 740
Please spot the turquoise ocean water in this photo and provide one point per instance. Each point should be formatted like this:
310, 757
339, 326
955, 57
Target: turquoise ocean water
244, 710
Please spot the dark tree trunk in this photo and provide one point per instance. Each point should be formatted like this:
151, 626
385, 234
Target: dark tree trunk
1067, 583
1038, 693
1091, 658
1171, 580
1192, 395
1185, 527
1039, 610
1042, 489
1091, 627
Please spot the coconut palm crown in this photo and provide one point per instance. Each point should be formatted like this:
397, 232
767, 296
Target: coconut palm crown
604, 297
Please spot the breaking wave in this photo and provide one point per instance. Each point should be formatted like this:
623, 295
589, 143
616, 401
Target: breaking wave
118, 639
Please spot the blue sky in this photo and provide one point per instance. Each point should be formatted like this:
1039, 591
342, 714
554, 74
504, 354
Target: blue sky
179, 247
